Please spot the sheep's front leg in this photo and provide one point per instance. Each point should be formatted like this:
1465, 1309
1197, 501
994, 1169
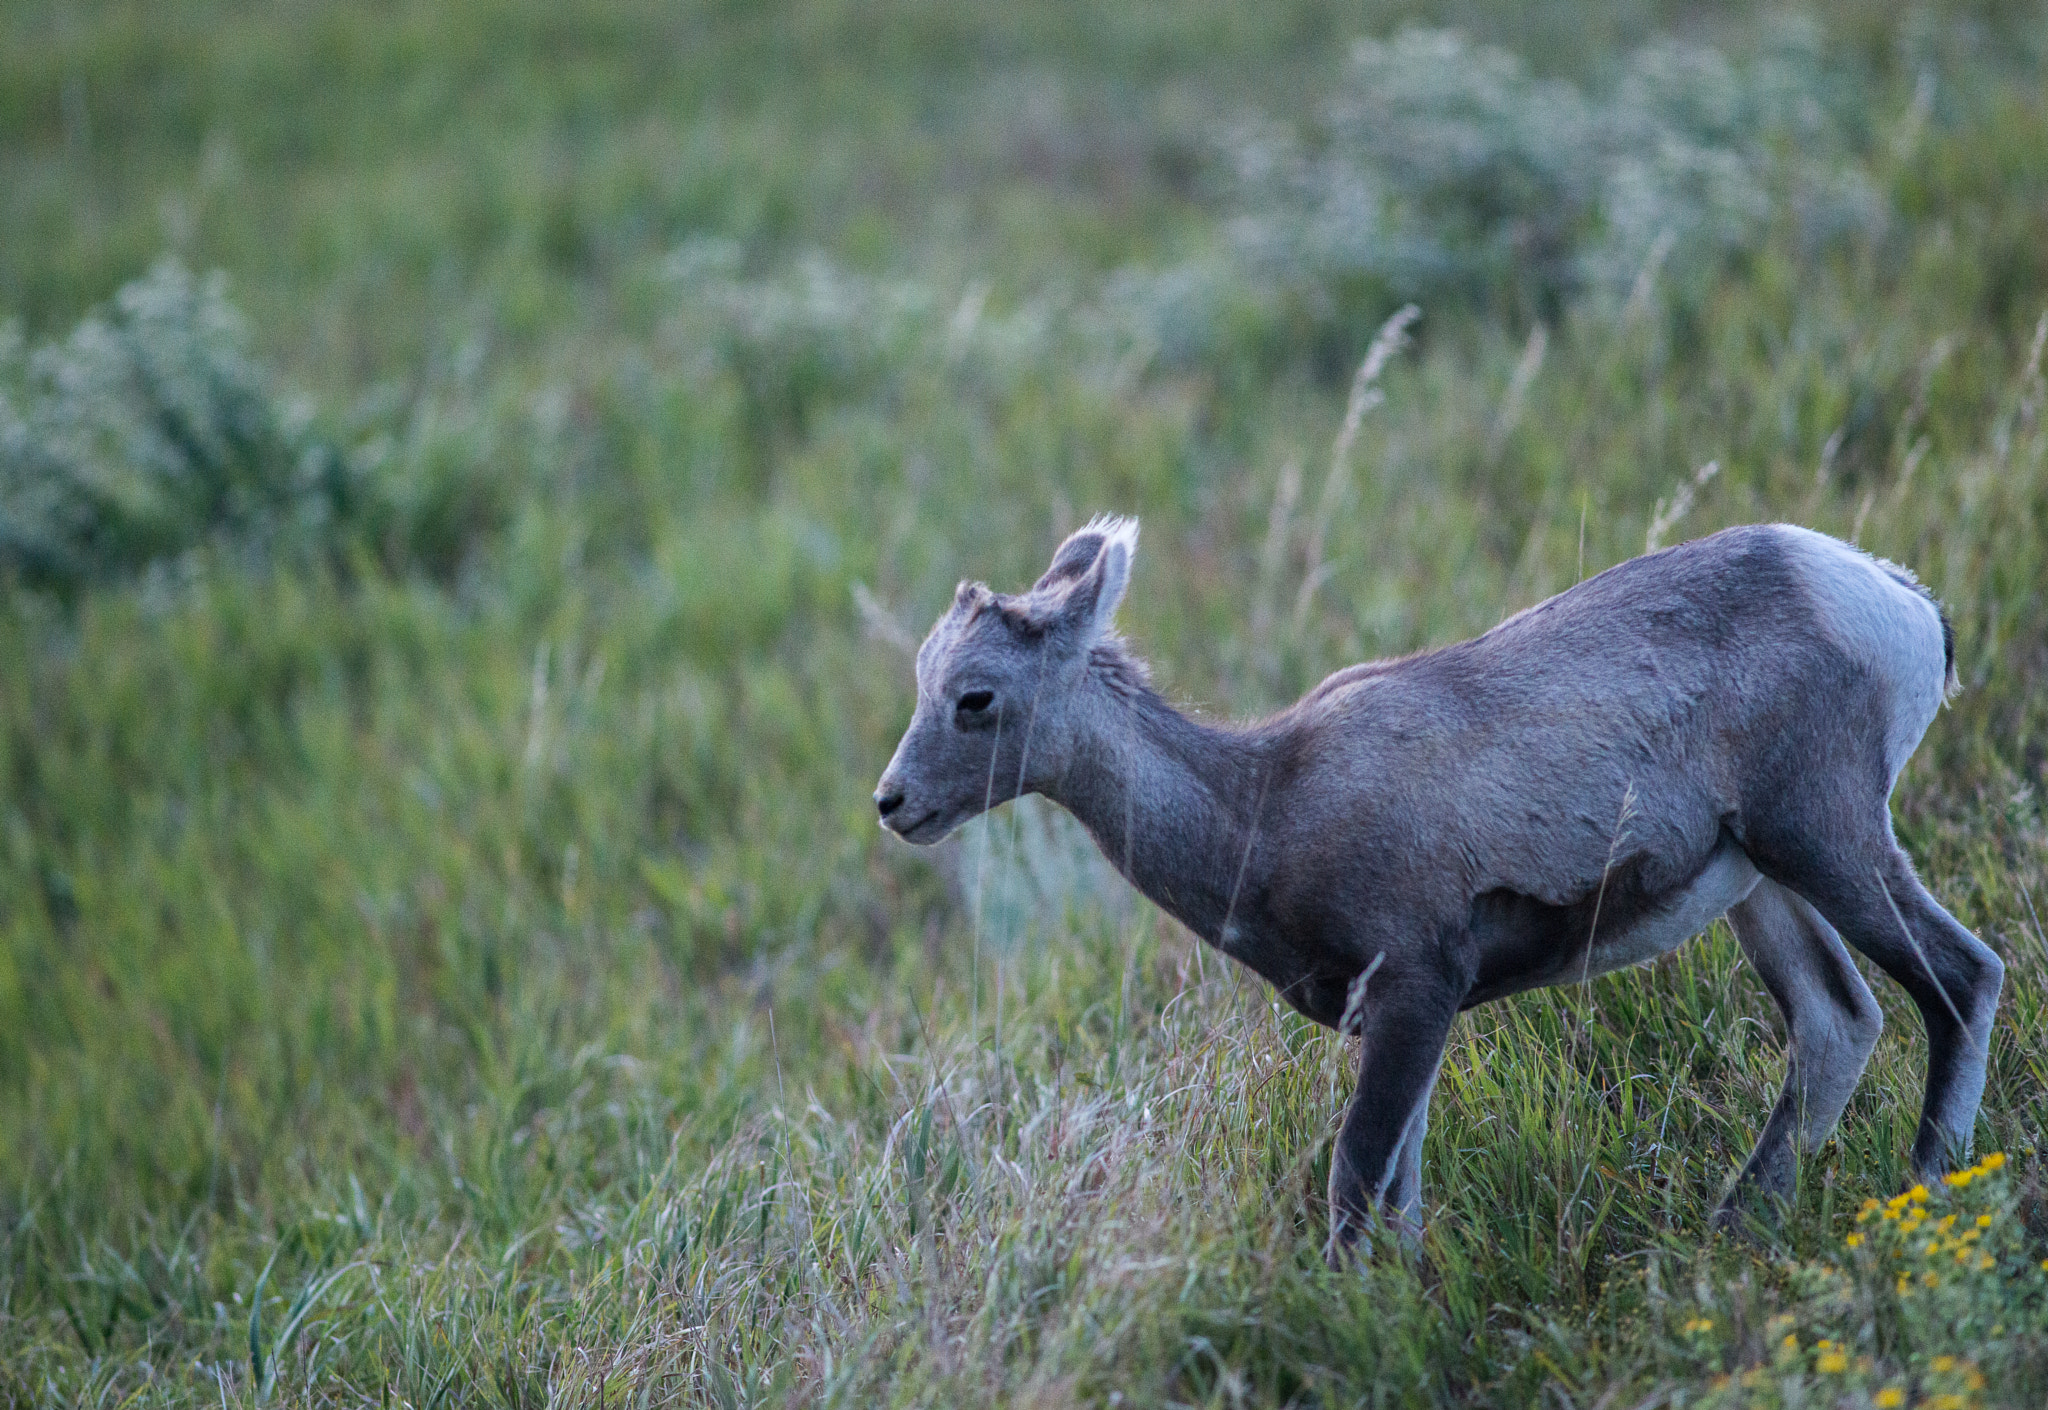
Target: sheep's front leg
1404, 1196
1375, 1169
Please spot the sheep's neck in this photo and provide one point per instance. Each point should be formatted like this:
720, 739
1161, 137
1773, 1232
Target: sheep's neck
1173, 805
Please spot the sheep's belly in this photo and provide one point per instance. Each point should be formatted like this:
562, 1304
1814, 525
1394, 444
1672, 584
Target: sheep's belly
1725, 882
1525, 944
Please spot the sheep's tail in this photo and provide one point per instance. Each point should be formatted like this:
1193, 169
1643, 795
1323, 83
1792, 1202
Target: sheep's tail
1951, 683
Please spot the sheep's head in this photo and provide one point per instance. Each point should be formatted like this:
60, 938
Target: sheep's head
996, 686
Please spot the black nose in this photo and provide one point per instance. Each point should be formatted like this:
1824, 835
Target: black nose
890, 802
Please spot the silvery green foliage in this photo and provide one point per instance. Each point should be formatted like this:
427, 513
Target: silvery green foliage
1443, 164
1446, 172
814, 332
1031, 866
145, 432
1179, 315
807, 334
1443, 172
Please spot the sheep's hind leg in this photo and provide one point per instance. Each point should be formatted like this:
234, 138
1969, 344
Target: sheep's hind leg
1832, 1022
1872, 897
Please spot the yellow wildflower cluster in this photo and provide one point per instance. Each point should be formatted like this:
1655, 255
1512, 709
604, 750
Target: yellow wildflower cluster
1988, 1165
1951, 1385
1948, 1383
1944, 1249
1940, 1242
1954, 1372
1911, 1205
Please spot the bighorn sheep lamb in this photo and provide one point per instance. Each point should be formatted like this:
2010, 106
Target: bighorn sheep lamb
1714, 728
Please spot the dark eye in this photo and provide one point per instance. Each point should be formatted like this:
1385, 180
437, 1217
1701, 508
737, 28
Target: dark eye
976, 701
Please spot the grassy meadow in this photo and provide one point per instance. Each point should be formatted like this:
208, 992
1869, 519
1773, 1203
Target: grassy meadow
470, 479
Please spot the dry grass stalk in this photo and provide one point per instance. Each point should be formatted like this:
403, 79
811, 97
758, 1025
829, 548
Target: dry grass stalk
1365, 395
1664, 518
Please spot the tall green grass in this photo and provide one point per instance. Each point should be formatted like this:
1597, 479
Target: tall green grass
446, 955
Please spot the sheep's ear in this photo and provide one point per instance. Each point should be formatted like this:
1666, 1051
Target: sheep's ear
1079, 593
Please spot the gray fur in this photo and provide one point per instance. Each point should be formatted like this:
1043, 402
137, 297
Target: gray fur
1714, 727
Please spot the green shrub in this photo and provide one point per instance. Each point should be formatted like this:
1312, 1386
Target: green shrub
148, 431
1444, 172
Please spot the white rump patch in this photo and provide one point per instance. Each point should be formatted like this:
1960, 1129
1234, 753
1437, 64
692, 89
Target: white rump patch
1890, 629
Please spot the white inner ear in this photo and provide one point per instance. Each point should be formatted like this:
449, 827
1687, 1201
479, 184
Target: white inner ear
1114, 565
1088, 601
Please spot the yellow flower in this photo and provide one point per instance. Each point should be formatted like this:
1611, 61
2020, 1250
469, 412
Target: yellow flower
1905, 1283
1959, 1178
1943, 1365
1985, 1263
1930, 1278
1918, 1194
1945, 1223
1973, 1378
1983, 1221
1890, 1398
1854, 1241
1790, 1343
1699, 1324
1947, 1400
1994, 1160
1831, 1362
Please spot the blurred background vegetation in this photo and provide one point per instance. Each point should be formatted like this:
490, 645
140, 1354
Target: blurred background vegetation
468, 475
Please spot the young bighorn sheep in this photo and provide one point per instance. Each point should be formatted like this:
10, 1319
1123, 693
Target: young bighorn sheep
1715, 728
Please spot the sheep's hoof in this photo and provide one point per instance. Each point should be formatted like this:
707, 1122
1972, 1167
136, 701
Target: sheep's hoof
1735, 1220
1396, 1236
